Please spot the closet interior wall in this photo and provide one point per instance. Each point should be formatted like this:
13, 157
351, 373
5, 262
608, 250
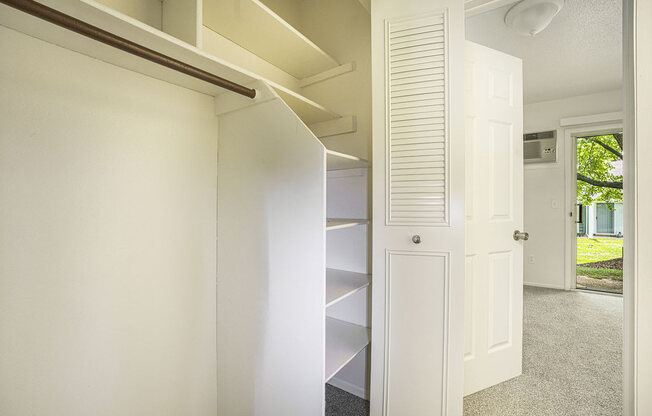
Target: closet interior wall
108, 241
318, 67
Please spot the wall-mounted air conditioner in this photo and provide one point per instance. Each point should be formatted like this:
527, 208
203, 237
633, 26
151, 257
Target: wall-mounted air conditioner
540, 147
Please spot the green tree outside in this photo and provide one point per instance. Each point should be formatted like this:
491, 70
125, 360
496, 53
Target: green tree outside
596, 181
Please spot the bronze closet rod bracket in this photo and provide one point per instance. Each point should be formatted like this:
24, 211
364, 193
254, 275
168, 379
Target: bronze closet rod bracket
68, 22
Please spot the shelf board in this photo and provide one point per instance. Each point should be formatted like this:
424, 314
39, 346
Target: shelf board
341, 284
343, 342
338, 161
339, 223
255, 27
128, 28
308, 111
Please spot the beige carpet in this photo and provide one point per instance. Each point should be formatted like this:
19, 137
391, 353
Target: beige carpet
572, 359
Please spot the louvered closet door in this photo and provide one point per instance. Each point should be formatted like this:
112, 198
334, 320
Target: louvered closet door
417, 151
418, 247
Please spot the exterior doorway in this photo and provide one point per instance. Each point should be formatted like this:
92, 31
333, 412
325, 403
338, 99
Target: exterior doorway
598, 184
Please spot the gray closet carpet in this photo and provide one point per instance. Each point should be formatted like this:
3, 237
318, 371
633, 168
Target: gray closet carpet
572, 362
341, 403
572, 359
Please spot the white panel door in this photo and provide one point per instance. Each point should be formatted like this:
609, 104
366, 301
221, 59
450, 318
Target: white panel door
493, 323
418, 207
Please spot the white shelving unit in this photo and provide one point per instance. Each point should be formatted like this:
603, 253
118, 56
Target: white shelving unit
278, 265
259, 39
286, 86
243, 146
169, 41
255, 27
341, 284
344, 341
347, 281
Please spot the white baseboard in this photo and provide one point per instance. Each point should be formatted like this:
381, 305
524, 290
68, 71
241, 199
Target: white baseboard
548, 286
349, 388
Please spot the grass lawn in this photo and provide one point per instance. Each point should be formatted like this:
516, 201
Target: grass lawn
598, 249
599, 273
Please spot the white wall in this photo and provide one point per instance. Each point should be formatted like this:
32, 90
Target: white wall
107, 238
544, 183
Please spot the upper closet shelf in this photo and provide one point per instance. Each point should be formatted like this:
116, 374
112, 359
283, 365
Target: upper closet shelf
338, 161
128, 28
343, 342
339, 223
255, 27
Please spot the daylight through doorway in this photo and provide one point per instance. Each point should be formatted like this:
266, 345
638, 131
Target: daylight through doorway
599, 215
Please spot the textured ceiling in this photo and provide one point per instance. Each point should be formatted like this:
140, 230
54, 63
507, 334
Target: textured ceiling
579, 53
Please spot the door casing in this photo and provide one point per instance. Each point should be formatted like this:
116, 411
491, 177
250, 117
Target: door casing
631, 14
571, 134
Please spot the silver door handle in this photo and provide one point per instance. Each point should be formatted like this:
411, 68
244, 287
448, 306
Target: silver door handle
521, 235
416, 239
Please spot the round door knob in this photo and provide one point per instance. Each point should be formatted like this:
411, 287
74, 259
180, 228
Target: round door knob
416, 239
518, 235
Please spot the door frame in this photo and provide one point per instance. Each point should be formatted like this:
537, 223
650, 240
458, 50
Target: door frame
571, 134
630, 16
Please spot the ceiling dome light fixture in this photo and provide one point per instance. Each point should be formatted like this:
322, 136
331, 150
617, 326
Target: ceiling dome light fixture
530, 17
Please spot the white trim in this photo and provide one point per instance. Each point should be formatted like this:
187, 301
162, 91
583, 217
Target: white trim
349, 387
630, 209
475, 7
592, 119
596, 292
570, 199
630, 318
545, 285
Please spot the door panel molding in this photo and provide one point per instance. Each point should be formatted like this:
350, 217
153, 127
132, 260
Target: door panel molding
469, 307
500, 310
501, 170
409, 311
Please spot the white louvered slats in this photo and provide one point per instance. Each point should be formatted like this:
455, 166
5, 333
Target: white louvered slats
417, 134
